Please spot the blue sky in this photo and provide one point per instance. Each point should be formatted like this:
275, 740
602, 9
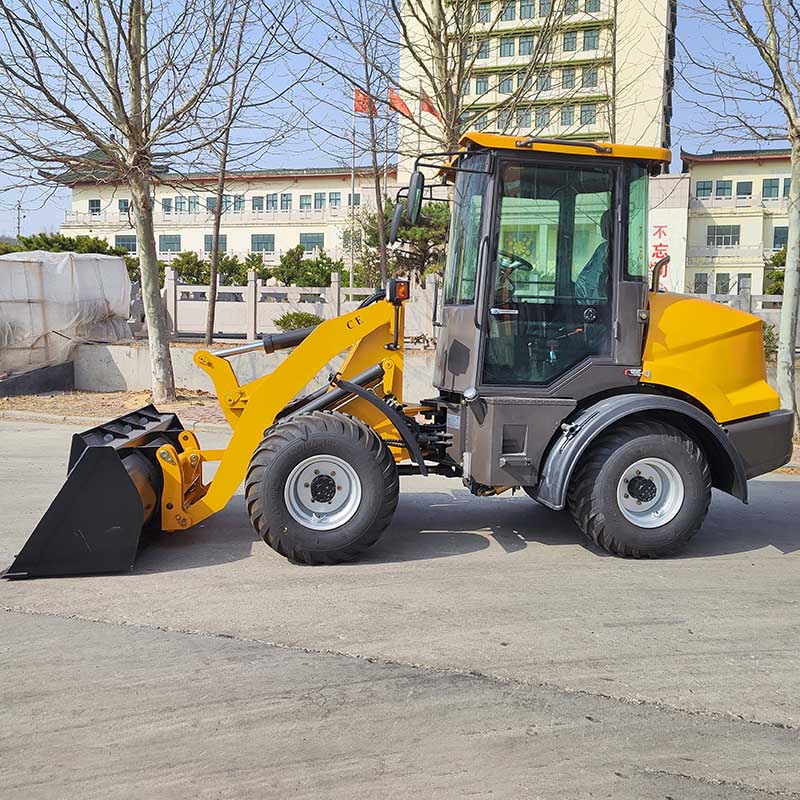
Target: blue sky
45, 210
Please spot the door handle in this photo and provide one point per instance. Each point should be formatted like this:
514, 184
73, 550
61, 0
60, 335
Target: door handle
499, 312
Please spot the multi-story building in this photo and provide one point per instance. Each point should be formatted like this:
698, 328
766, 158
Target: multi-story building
737, 218
264, 211
606, 75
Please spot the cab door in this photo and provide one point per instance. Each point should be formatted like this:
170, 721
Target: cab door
550, 308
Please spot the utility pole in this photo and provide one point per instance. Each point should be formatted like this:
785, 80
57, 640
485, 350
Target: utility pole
19, 218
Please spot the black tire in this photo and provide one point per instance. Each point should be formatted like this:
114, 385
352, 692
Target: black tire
592, 495
287, 445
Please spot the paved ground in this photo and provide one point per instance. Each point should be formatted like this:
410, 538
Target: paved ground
480, 651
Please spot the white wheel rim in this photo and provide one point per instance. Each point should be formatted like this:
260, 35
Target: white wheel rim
322, 492
650, 493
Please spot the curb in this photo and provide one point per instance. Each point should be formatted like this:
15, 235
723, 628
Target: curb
69, 419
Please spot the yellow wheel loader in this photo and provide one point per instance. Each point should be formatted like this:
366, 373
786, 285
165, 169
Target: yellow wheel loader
560, 369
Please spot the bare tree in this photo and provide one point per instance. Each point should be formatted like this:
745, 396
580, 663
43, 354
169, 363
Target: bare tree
751, 90
107, 90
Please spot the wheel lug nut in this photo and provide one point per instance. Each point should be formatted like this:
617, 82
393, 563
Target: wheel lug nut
333, 472
306, 485
316, 472
627, 496
339, 488
638, 472
638, 502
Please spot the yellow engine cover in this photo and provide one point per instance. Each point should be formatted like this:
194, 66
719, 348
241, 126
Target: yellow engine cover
711, 352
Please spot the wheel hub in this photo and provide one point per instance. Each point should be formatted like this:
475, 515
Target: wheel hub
322, 492
323, 488
643, 489
650, 492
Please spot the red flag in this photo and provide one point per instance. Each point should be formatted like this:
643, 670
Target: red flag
427, 105
363, 103
398, 104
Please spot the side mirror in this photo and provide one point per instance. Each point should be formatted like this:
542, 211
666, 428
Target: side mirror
416, 186
397, 221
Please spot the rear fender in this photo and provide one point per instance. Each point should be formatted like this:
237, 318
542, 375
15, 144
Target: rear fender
579, 431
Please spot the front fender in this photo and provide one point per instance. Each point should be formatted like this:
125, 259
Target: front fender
579, 431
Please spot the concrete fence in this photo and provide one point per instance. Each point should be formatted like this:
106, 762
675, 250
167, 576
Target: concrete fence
252, 309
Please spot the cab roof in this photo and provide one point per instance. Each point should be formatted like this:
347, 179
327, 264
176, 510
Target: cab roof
496, 141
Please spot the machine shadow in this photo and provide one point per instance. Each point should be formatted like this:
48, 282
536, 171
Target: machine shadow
432, 525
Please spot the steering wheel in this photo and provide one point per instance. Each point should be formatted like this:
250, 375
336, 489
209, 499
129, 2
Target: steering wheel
509, 261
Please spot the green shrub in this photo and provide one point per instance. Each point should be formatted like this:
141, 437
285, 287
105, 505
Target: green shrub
292, 320
770, 340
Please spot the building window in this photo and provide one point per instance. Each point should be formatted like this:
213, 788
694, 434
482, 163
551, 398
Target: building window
744, 283
335, 199
480, 123
770, 188
238, 202
481, 85
94, 206
166, 205
545, 7
723, 283
570, 6
592, 6
180, 205
305, 202
526, 9
701, 283
126, 243
319, 201
526, 45
524, 80
465, 88
591, 39
702, 189
484, 12
194, 204
780, 237
570, 41
568, 78
503, 119
262, 243
483, 49
508, 12
589, 77
226, 202
272, 202
507, 47
208, 242
542, 117
257, 203
124, 205
506, 85
588, 114
312, 241
523, 118
568, 115
744, 188
544, 82
723, 189
211, 204
722, 236
286, 201
169, 243
354, 199
787, 185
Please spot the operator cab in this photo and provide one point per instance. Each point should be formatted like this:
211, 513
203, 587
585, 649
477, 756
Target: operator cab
540, 283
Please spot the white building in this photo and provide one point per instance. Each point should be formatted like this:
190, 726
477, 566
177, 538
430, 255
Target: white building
608, 74
265, 211
737, 218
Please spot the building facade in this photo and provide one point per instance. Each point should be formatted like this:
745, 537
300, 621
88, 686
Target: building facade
266, 212
606, 75
737, 218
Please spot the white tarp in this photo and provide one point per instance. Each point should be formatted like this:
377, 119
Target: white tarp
51, 301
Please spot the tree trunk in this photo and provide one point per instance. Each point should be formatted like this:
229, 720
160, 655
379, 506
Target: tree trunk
787, 338
382, 248
160, 359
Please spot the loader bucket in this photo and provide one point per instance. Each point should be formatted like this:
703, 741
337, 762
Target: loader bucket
112, 491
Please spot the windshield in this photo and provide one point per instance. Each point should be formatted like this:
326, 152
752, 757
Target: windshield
465, 231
